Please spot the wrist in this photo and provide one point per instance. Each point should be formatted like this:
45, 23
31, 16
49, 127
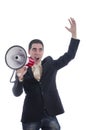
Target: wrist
74, 35
20, 77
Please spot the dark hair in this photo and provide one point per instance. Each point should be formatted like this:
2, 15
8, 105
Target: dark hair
35, 41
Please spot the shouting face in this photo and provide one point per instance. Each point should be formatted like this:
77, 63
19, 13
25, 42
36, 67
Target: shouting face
36, 52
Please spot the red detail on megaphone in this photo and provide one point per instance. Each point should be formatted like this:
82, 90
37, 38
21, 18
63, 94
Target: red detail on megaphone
30, 62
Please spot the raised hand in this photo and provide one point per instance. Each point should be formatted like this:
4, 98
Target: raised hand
72, 28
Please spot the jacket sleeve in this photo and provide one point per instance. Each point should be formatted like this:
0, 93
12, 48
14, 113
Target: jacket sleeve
69, 55
17, 87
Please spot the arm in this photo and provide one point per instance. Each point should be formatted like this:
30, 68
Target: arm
18, 84
69, 55
74, 42
17, 88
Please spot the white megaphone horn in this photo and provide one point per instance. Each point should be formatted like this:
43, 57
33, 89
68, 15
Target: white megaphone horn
15, 57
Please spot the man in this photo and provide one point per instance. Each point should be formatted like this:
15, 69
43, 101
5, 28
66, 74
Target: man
42, 102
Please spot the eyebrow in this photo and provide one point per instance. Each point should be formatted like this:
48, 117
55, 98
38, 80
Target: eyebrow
36, 48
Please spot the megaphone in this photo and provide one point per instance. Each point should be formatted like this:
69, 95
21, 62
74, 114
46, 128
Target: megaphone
16, 58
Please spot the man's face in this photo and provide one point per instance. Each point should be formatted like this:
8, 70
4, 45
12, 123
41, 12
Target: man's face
36, 52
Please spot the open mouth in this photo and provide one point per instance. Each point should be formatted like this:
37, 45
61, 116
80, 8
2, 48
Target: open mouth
37, 58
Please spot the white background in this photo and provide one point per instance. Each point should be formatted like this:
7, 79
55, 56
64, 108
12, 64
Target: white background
23, 20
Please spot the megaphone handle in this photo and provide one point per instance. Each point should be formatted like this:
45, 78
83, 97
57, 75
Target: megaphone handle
12, 77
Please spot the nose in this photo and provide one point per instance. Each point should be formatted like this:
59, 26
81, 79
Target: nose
37, 51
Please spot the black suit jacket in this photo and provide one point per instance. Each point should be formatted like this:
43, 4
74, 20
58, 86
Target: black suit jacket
44, 94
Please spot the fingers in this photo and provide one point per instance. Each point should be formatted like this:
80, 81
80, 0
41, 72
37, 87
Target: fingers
67, 28
25, 70
72, 21
21, 72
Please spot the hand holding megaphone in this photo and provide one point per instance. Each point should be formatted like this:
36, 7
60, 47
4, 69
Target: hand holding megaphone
22, 71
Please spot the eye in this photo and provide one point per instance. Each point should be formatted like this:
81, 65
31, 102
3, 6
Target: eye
34, 49
41, 49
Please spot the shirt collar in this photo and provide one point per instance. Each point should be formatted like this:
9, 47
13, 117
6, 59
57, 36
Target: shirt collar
36, 65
